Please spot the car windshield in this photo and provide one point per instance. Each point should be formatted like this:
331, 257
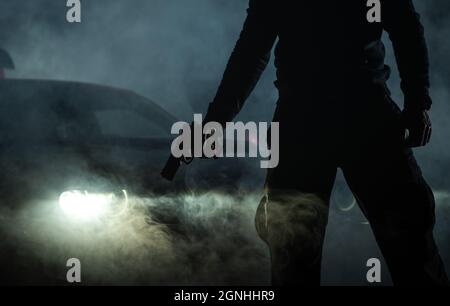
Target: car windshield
33, 111
36, 125
127, 124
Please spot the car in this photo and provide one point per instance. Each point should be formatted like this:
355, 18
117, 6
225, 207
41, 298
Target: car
88, 149
59, 135
81, 145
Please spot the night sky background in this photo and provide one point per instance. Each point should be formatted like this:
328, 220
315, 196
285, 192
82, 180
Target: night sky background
174, 52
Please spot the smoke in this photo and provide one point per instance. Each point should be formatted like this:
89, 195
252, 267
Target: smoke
212, 242
173, 52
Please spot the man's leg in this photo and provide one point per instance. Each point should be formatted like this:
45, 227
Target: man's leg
293, 214
400, 208
388, 184
293, 225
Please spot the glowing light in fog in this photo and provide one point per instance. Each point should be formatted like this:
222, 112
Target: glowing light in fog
83, 205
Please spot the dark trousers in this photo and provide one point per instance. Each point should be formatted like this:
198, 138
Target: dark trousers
363, 136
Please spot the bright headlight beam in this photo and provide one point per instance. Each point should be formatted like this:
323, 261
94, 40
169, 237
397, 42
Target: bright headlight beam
82, 205
85, 206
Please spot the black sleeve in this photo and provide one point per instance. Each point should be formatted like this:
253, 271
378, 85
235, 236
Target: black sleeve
247, 62
402, 22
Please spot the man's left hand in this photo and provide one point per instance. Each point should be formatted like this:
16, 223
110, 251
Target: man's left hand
418, 126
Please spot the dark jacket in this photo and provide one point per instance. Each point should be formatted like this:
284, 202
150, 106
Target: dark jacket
322, 45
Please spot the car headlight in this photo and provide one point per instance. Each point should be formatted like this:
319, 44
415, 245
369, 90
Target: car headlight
82, 205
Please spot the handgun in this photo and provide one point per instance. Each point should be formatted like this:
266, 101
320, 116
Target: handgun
172, 165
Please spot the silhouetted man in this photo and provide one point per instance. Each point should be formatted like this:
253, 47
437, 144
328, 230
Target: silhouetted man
335, 111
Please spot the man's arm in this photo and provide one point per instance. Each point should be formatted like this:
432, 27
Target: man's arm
402, 22
247, 62
406, 32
